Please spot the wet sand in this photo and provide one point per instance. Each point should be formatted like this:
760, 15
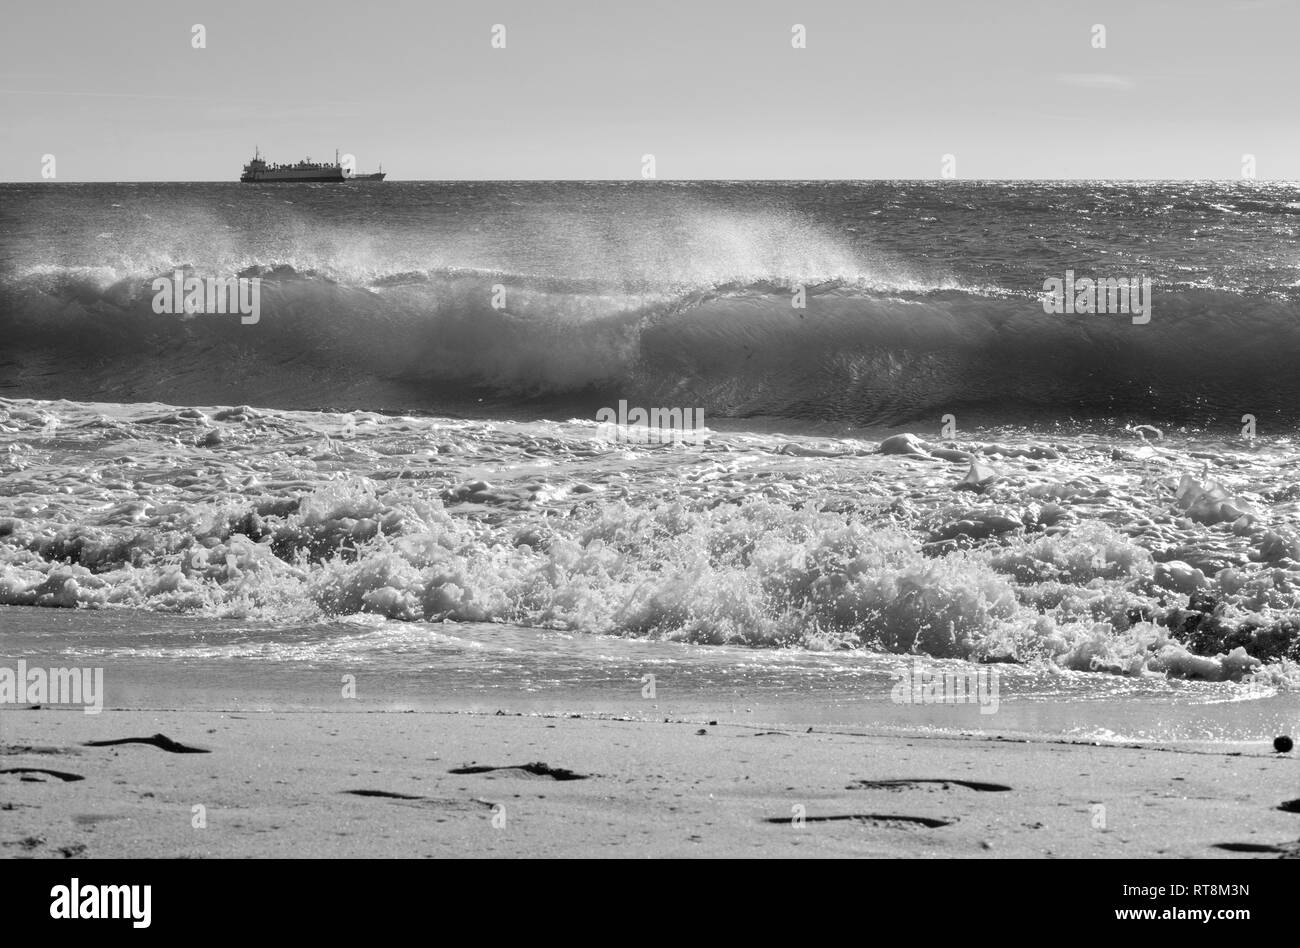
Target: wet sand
340, 784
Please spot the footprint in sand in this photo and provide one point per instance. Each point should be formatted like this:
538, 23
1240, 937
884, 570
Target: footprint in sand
388, 794
85, 820
16, 750
876, 819
1292, 849
537, 769
898, 821
442, 804
62, 775
917, 783
158, 740
27, 843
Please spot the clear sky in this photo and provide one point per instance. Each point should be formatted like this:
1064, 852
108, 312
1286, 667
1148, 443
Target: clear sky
712, 88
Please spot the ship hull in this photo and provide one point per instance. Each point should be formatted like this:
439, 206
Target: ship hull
288, 179
299, 179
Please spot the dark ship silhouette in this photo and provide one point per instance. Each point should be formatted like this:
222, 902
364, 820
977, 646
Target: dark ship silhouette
257, 171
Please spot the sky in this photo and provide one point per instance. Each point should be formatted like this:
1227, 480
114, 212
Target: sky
1183, 89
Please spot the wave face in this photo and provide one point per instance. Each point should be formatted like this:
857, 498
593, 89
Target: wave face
920, 299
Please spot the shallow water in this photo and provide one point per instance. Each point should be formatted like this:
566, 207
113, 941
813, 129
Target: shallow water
155, 661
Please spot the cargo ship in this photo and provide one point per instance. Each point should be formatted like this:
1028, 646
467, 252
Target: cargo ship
258, 171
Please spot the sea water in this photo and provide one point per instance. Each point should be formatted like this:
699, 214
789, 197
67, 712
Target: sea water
398, 473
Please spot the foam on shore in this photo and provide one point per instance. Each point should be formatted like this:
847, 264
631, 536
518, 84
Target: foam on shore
1084, 553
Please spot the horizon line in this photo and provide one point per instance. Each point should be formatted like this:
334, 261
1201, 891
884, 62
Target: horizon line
651, 181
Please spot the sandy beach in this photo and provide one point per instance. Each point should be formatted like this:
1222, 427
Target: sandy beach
339, 784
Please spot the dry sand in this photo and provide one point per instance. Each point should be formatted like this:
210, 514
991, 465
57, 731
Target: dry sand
382, 784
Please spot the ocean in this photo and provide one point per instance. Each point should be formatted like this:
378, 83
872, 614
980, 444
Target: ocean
399, 471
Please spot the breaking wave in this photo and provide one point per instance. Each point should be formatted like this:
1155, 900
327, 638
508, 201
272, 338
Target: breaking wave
860, 351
